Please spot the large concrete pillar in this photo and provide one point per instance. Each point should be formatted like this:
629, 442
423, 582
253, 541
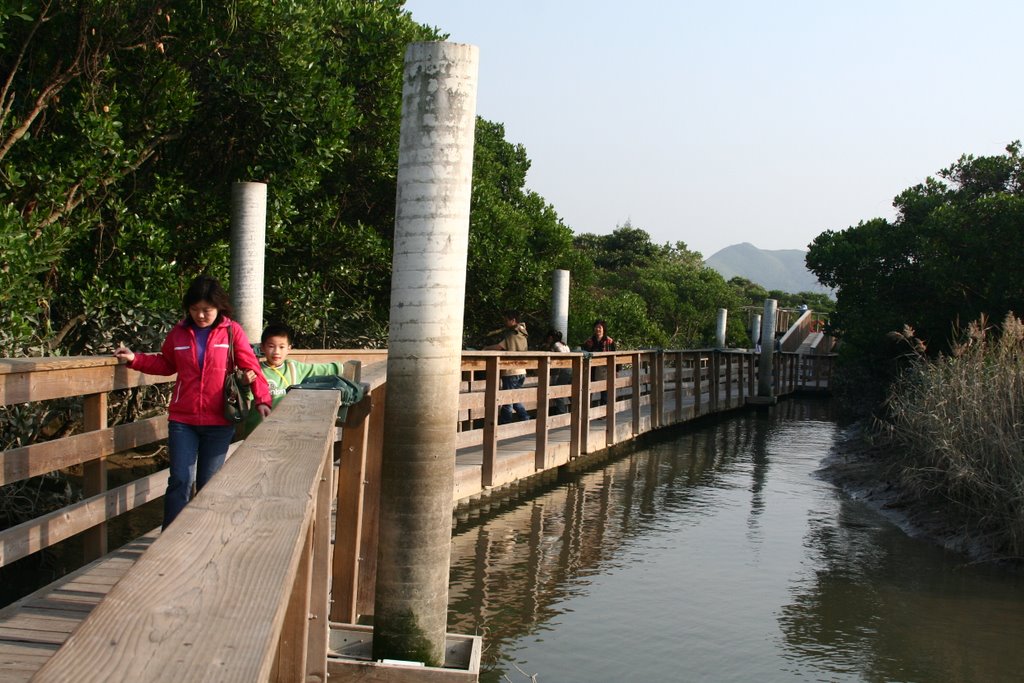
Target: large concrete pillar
428, 283
560, 303
720, 324
764, 373
248, 244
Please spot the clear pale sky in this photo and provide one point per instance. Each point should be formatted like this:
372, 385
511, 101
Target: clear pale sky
716, 123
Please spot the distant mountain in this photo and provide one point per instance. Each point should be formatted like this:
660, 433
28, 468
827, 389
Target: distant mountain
782, 269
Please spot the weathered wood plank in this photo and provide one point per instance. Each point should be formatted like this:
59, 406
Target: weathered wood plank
41, 379
42, 532
230, 558
30, 461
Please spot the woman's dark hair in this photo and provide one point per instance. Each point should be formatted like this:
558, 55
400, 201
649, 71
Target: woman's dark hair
555, 335
602, 323
206, 288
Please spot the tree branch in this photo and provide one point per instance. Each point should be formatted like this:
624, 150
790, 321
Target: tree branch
74, 198
6, 96
48, 93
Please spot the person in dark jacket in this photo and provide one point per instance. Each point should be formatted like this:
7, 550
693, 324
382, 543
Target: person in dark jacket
198, 434
600, 342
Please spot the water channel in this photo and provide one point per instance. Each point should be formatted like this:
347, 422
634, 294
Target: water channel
720, 555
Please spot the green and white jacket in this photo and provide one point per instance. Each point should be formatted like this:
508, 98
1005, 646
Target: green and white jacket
279, 379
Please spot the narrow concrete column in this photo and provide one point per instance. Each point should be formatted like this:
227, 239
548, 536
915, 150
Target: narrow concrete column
755, 328
248, 242
560, 303
428, 283
764, 372
720, 324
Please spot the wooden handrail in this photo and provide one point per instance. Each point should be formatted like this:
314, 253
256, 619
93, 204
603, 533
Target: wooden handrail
225, 591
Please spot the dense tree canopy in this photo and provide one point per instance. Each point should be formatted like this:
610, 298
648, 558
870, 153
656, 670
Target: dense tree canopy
124, 124
651, 294
516, 239
949, 256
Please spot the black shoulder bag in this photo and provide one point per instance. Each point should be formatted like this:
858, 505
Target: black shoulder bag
236, 388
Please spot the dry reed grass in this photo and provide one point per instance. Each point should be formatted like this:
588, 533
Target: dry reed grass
958, 424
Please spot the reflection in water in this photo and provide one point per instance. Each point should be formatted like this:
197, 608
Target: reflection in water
719, 556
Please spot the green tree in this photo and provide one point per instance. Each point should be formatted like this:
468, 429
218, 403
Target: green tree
678, 297
516, 239
123, 125
942, 261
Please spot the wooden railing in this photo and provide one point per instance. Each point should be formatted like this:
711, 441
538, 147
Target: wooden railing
237, 588
662, 386
88, 379
249, 521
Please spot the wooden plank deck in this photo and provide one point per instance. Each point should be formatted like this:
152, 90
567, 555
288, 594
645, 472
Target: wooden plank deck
33, 628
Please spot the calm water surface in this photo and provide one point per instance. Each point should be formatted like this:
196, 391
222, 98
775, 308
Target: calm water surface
720, 556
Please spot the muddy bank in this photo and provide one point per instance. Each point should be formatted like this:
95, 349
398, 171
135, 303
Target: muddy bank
866, 472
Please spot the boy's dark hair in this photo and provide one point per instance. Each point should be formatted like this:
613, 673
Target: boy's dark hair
276, 330
511, 314
206, 288
555, 335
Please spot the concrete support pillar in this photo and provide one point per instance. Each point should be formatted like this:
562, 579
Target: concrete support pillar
560, 303
428, 282
248, 243
720, 324
755, 328
764, 374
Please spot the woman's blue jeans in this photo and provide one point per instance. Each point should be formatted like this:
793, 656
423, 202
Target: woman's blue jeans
197, 453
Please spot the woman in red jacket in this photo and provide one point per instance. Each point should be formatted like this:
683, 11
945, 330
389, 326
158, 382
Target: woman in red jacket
196, 349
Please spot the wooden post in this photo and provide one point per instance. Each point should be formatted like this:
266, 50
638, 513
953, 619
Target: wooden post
751, 373
585, 405
290, 662
576, 410
741, 360
609, 407
658, 389
349, 525
94, 474
715, 380
637, 381
318, 613
697, 390
543, 382
490, 444
728, 380
679, 384
370, 531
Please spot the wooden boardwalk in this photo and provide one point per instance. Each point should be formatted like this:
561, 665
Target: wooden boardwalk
33, 628
489, 460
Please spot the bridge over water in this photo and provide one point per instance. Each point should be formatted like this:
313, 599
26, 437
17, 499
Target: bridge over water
269, 572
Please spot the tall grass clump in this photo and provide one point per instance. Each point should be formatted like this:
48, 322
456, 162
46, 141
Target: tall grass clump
957, 423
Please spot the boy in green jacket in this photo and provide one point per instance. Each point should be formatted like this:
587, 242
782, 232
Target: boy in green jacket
280, 372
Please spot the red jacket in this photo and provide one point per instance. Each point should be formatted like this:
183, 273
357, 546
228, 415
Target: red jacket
198, 397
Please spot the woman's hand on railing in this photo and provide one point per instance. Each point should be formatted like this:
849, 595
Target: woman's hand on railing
124, 353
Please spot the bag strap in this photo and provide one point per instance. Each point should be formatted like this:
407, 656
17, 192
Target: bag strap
231, 348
